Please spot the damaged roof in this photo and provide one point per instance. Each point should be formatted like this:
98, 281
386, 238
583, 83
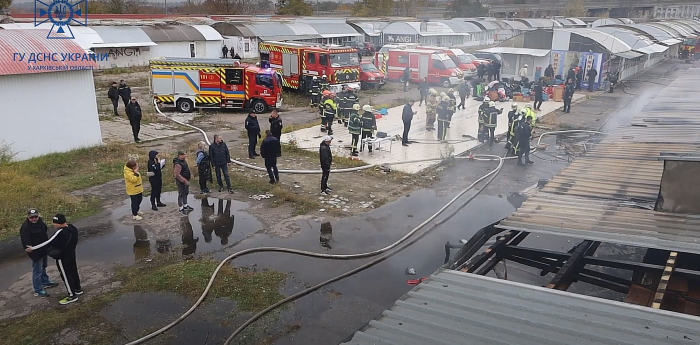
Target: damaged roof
453, 307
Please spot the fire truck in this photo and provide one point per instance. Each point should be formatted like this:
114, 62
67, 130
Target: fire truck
461, 59
431, 64
214, 83
299, 62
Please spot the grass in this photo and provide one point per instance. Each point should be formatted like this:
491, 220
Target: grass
252, 291
125, 70
46, 182
296, 99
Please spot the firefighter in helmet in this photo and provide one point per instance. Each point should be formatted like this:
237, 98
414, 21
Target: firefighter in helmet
430, 110
330, 110
481, 116
530, 115
453, 104
512, 116
324, 83
315, 91
369, 125
491, 121
353, 100
344, 104
514, 140
321, 106
443, 116
355, 128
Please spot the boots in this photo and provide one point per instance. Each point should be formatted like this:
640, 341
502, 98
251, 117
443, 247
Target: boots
153, 207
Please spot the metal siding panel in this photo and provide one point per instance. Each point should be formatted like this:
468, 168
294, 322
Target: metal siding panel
122, 34
71, 122
209, 33
34, 41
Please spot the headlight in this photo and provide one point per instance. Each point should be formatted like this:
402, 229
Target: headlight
454, 74
370, 78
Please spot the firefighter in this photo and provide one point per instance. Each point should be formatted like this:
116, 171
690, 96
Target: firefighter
523, 133
330, 110
324, 96
324, 85
530, 115
353, 100
355, 128
512, 115
344, 105
443, 116
315, 91
430, 110
480, 115
491, 120
453, 104
369, 125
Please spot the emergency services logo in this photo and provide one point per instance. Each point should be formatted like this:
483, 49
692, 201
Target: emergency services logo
61, 14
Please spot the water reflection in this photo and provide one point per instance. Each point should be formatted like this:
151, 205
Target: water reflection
189, 242
219, 223
326, 235
163, 246
142, 246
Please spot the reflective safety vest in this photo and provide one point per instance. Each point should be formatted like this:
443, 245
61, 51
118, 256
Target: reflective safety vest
329, 108
355, 123
531, 115
443, 111
431, 105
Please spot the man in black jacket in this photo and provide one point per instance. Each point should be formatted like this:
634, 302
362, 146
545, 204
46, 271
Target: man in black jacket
407, 117
62, 248
276, 125
423, 88
269, 150
253, 128
133, 112
33, 232
592, 73
568, 95
155, 177
549, 74
220, 160
124, 92
113, 95
539, 94
523, 133
326, 157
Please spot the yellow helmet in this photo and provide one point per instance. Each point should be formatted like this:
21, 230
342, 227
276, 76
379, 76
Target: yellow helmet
356, 106
451, 91
432, 92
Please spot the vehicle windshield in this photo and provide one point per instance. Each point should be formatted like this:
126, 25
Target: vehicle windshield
690, 42
344, 60
278, 80
466, 58
449, 63
264, 79
369, 67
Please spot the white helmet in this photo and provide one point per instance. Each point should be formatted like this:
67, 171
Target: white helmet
486, 100
492, 104
514, 106
445, 98
529, 106
367, 107
314, 78
442, 94
523, 111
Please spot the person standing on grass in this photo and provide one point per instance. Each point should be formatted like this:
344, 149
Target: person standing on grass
113, 95
134, 187
133, 112
34, 232
276, 125
407, 117
182, 178
155, 177
203, 167
220, 159
253, 128
62, 248
326, 157
269, 150
124, 92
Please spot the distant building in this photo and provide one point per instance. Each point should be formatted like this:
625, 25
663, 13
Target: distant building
685, 11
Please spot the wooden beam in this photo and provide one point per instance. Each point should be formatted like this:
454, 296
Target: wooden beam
474, 263
563, 279
663, 283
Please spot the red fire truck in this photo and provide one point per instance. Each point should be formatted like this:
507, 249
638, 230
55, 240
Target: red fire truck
299, 62
461, 59
431, 64
214, 83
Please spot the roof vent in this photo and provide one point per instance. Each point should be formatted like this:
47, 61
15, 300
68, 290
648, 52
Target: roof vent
679, 183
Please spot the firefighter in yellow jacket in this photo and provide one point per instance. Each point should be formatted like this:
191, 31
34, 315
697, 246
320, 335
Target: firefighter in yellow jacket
330, 111
431, 110
530, 115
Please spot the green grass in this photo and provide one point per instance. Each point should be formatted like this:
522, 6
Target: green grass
125, 70
253, 291
46, 182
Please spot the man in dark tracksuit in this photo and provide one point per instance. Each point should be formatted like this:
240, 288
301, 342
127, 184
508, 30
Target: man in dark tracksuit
270, 149
124, 92
62, 248
133, 112
523, 133
220, 160
33, 232
276, 125
181, 171
407, 117
326, 158
423, 88
369, 125
155, 177
113, 95
253, 128
568, 95
592, 73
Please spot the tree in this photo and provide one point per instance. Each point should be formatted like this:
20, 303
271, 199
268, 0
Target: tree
575, 9
294, 8
372, 8
5, 4
467, 8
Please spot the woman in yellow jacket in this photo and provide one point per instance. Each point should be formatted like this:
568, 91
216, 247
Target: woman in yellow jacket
134, 187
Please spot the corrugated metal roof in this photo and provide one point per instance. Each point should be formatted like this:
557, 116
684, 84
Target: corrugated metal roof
517, 51
122, 34
452, 307
371, 28
85, 37
692, 23
34, 42
209, 33
576, 21
540, 23
233, 29
328, 28
276, 31
173, 33
611, 43
461, 26
661, 36
680, 30
487, 24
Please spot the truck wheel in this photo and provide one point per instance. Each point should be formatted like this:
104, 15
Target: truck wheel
446, 83
185, 105
259, 106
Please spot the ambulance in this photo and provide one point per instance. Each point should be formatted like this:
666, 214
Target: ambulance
432, 64
214, 83
299, 62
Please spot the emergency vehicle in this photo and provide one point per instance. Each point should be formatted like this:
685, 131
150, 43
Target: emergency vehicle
691, 43
431, 64
371, 77
299, 62
458, 56
214, 83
